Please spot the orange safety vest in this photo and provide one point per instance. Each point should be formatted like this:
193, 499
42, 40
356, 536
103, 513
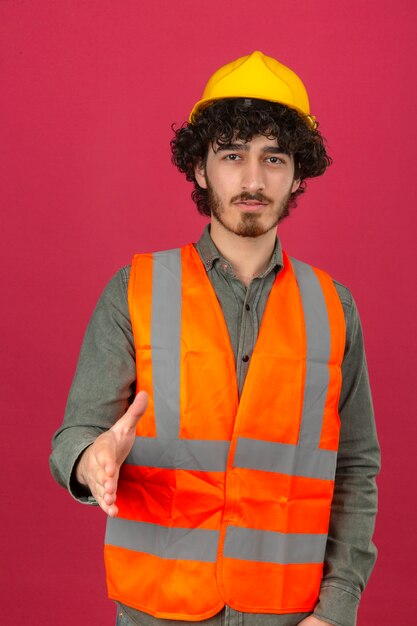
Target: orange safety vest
224, 501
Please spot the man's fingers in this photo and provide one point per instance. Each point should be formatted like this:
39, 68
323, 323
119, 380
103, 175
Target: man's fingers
102, 482
105, 493
112, 510
107, 506
109, 498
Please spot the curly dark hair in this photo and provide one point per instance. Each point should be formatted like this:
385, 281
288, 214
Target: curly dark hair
226, 120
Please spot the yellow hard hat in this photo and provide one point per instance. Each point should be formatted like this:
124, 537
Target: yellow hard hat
256, 76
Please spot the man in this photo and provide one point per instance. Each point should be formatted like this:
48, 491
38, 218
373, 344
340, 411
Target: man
244, 468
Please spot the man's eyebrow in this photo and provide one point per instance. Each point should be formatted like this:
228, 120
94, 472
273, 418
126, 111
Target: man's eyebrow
223, 147
227, 147
275, 150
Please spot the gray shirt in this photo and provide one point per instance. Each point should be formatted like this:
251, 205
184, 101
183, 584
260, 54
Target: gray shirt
104, 385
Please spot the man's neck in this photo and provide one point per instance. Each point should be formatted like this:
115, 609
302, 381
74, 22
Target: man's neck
249, 256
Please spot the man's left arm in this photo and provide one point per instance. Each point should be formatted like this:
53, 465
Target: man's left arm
350, 553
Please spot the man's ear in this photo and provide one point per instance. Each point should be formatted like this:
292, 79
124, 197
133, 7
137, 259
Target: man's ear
296, 183
200, 174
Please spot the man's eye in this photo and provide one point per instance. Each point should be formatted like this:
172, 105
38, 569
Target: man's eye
232, 157
274, 159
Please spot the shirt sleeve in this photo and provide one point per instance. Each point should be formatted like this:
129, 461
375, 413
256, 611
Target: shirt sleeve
350, 552
103, 386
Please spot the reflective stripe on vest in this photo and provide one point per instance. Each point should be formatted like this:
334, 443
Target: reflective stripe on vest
217, 493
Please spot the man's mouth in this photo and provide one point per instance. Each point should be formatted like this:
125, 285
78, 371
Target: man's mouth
250, 205
250, 202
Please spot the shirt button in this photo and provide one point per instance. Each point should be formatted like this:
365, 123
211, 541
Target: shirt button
247, 307
245, 358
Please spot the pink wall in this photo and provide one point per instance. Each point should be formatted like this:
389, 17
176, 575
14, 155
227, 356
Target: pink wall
88, 93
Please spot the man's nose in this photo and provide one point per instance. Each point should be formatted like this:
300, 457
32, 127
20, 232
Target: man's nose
252, 177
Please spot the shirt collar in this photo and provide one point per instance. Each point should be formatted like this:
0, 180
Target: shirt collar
209, 253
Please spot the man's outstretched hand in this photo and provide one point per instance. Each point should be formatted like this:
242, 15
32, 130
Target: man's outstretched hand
99, 464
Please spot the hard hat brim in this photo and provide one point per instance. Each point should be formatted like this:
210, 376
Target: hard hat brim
206, 102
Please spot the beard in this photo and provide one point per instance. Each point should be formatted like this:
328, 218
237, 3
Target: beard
250, 224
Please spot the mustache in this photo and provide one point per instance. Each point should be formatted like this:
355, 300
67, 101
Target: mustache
246, 196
